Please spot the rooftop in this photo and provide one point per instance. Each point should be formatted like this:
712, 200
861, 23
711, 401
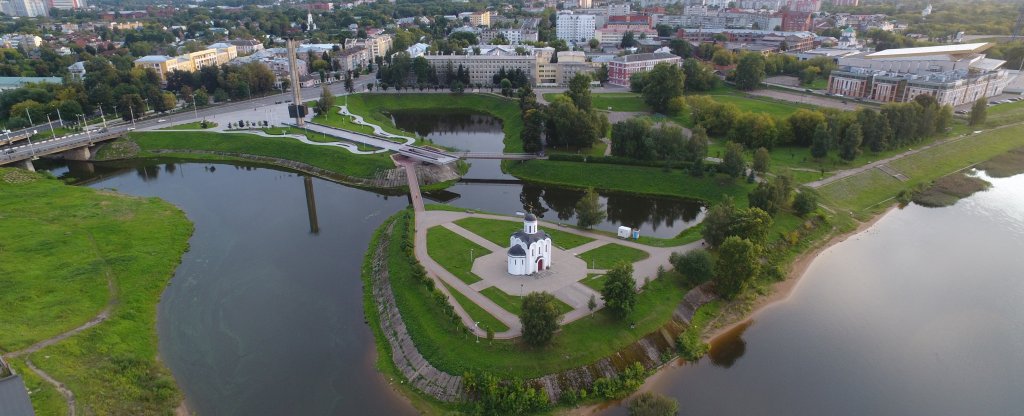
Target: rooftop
154, 58
645, 57
962, 49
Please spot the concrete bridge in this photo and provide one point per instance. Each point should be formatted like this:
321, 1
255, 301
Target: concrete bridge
498, 155
73, 147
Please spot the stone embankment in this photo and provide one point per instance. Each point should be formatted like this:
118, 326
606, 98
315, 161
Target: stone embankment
652, 350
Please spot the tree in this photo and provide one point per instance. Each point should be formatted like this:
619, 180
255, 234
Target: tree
802, 123
540, 318
619, 291
696, 265
326, 101
201, 97
733, 163
652, 404
737, 264
592, 304
661, 84
349, 85
754, 130
637, 81
805, 203
589, 210
628, 40
579, 91
593, 43
750, 71
978, 111
166, 103
820, 142
533, 128
602, 74
849, 144
699, 76
718, 221
762, 160
506, 87
723, 57
697, 147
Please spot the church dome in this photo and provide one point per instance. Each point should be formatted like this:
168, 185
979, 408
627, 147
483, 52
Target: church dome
529, 217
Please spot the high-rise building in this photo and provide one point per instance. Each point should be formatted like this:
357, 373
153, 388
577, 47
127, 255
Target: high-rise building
24, 8
574, 28
67, 4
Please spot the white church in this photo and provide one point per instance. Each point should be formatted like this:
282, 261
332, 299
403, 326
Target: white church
529, 249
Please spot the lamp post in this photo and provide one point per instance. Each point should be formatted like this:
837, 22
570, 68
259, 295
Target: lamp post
132, 112
194, 109
87, 132
477, 333
103, 117
53, 134
30, 147
29, 116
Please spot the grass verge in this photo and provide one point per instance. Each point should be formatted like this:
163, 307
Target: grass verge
513, 303
608, 255
56, 278
452, 251
485, 319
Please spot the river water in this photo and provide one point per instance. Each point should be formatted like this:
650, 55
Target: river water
923, 314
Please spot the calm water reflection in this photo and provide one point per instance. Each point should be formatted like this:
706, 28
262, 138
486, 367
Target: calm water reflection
921, 315
265, 317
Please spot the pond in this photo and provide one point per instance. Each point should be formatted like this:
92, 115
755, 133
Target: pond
264, 316
486, 188
922, 314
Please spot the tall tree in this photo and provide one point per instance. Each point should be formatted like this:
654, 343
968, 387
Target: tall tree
762, 160
978, 112
326, 101
579, 91
540, 318
849, 144
697, 265
619, 291
661, 84
803, 122
733, 163
820, 142
589, 210
750, 71
737, 264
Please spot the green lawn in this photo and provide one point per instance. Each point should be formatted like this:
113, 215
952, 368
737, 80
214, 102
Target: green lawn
585, 341
514, 303
594, 281
498, 232
373, 107
334, 119
330, 158
452, 251
774, 108
195, 125
608, 255
316, 137
55, 278
612, 101
636, 179
868, 189
1004, 114
478, 314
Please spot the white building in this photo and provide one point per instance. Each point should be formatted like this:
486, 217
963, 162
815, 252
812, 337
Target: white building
67, 4
953, 74
574, 28
77, 71
529, 249
24, 8
417, 50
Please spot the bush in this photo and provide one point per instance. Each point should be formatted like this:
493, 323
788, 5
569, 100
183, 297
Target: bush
696, 265
651, 404
805, 203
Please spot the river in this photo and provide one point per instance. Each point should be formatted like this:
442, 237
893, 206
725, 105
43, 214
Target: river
922, 314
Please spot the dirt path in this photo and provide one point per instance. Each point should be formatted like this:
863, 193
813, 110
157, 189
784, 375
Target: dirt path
69, 396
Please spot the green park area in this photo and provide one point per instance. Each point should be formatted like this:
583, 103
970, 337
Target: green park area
454, 252
514, 303
195, 125
498, 232
609, 255
447, 346
87, 250
375, 109
220, 146
484, 318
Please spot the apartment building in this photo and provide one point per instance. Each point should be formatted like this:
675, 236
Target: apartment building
376, 45
623, 67
216, 54
574, 28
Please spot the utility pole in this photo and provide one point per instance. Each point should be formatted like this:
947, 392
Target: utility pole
132, 112
102, 117
53, 134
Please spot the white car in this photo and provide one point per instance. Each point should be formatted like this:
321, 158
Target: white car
161, 120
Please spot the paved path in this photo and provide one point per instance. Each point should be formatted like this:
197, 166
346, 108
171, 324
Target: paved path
576, 294
414, 185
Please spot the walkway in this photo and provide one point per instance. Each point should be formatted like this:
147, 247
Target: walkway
575, 294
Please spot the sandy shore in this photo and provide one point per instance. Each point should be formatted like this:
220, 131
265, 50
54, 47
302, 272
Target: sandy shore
782, 290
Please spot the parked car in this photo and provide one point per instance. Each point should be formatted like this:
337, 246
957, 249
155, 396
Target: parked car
161, 120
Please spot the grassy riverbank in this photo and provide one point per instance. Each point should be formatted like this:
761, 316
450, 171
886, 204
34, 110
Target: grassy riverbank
374, 109
87, 249
330, 158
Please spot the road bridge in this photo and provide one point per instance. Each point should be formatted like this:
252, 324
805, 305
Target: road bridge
74, 146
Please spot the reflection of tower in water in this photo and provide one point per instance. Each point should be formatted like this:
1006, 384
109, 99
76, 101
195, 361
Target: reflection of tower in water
314, 225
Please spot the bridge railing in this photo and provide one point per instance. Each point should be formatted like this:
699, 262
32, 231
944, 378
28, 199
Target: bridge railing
52, 146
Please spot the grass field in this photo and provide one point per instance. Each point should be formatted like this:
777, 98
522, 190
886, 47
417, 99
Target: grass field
778, 109
594, 281
637, 179
55, 279
486, 320
373, 107
1004, 114
498, 232
316, 137
609, 255
612, 101
869, 189
195, 125
330, 158
584, 341
452, 251
514, 303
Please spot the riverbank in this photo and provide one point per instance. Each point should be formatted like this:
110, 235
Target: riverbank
78, 313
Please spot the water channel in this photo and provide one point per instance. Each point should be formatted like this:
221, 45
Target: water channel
485, 187
923, 314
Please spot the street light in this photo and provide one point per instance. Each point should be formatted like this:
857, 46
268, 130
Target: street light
53, 134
